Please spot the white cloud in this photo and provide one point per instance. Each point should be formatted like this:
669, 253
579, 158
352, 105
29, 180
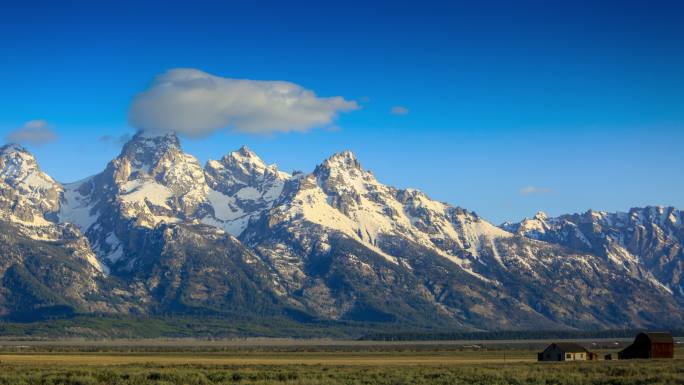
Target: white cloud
33, 131
399, 110
529, 190
195, 103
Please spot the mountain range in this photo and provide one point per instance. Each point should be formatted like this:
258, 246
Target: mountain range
156, 234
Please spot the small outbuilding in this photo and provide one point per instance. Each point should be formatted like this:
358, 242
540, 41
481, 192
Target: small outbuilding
649, 345
564, 351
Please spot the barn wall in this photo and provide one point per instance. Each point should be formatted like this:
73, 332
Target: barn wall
644, 348
662, 351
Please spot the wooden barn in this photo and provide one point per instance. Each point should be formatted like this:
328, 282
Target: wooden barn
649, 345
564, 351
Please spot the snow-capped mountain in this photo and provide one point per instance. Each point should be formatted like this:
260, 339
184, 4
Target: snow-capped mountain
242, 187
164, 235
30, 199
29, 196
151, 182
339, 195
645, 239
454, 255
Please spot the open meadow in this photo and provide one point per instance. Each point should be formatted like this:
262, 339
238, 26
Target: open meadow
317, 362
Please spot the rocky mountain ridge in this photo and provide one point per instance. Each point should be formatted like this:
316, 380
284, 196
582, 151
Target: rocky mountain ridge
157, 233
643, 239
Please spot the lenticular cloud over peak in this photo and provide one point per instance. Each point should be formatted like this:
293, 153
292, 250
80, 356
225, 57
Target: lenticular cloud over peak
195, 103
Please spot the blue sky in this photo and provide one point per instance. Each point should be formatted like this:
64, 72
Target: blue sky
512, 108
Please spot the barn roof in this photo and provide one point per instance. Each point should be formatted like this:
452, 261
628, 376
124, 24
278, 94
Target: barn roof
570, 347
659, 337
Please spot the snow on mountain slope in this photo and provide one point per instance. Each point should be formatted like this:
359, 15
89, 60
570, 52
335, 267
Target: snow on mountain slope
153, 182
242, 187
644, 241
340, 195
157, 182
30, 199
75, 207
27, 195
150, 183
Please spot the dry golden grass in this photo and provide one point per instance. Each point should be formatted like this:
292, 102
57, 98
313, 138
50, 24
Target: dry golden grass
321, 358
370, 367
386, 358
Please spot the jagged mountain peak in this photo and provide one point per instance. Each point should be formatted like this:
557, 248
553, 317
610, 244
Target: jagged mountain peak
246, 161
244, 165
596, 214
636, 215
16, 162
19, 166
27, 194
147, 139
654, 213
16, 150
343, 171
159, 157
345, 160
246, 151
242, 186
11, 148
144, 148
151, 181
540, 216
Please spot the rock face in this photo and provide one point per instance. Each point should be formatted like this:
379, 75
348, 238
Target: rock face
646, 242
158, 234
27, 195
242, 187
47, 267
434, 258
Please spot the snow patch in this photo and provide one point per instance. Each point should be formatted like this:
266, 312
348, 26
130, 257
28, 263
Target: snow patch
76, 208
137, 191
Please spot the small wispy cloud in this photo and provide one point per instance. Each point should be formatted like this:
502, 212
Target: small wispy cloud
32, 132
399, 110
116, 140
531, 190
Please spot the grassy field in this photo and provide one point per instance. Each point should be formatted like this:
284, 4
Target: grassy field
314, 363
